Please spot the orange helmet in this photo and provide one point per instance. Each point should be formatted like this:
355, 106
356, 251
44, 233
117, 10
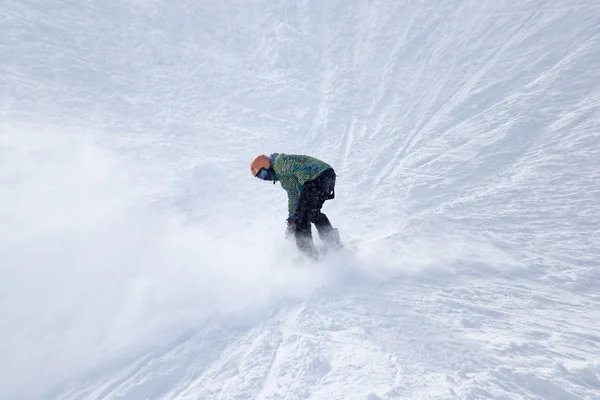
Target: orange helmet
260, 162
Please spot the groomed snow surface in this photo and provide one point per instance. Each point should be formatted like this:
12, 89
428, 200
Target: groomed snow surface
139, 259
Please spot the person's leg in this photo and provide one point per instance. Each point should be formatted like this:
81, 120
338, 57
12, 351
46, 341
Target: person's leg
327, 233
302, 219
325, 189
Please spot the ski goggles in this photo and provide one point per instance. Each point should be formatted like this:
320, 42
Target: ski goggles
262, 174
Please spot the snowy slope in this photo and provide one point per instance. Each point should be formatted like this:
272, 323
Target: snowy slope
139, 259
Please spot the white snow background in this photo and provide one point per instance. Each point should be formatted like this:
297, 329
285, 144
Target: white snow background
139, 259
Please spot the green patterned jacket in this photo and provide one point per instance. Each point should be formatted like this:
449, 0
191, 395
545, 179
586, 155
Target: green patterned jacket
293, 171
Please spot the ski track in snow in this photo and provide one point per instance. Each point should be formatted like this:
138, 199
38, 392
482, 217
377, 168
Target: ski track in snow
465, 136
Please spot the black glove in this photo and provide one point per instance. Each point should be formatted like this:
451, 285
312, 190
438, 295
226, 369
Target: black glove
291, 228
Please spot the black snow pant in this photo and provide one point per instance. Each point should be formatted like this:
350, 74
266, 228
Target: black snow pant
314, 194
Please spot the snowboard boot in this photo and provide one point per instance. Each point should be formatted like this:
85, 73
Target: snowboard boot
306, 245
331, 238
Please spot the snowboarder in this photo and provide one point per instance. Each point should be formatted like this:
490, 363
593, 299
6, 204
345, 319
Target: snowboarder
309, 182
